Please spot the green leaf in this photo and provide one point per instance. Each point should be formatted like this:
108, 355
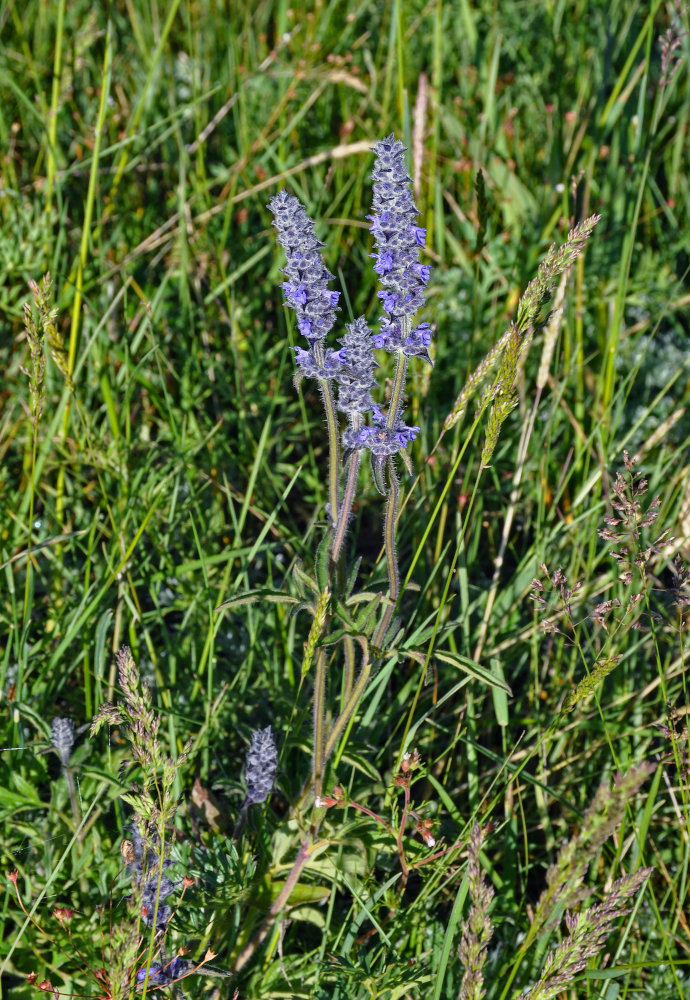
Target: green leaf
469, 666
499, 693
256, 597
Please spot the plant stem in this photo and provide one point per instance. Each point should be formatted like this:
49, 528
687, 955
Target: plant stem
395, 404
350, 705
278, 904
507, 526
346, 506
319, 719
349, 673
333, 439
391, 553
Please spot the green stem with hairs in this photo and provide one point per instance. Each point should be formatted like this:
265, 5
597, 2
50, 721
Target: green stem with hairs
346, 506
391, 551
395, 404
319, 716
350, 705
333, 437
349, 673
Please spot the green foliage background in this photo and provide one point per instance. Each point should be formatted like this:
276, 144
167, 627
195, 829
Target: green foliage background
141, 144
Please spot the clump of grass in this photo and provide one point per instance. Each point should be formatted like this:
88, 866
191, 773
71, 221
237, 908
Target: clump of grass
588, 932
147, 852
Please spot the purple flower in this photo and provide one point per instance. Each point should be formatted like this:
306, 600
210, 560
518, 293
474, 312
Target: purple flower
391, 337
160, 975
355, 377
306, 289
145, 864
260, 765
398, 239
380, 439
153, 890
384, 262
388, 300
309, 364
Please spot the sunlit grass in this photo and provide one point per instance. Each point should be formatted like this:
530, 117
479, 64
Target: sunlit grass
184, 471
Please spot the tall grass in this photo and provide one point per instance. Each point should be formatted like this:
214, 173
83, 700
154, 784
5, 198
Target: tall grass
529, 714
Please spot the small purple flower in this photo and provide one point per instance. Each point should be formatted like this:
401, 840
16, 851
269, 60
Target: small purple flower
309, 364
398, 239
384, 262
306, 289
388, 300
413, 344
145, 864
296, 295
160, 975
380, 439
152, 890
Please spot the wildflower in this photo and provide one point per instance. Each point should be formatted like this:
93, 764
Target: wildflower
423, 828
356, 375
398, 238
410, 761
379, 438
326, 801
326, 367
260, 766
147, 870
62, 738
306, 289
160, 975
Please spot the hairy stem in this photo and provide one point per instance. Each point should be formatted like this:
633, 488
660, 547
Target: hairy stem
395, 404
401, 831
346, 506
350, 705
277, 906
319, 719
349, 673
333, 440
390, 548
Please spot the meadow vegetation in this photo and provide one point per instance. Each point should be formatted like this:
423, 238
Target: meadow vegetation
278, 720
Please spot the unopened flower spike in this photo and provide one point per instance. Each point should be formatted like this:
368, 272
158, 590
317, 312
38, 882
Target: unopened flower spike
306, 288
355, 377
260, 766
62, 735
398, 240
